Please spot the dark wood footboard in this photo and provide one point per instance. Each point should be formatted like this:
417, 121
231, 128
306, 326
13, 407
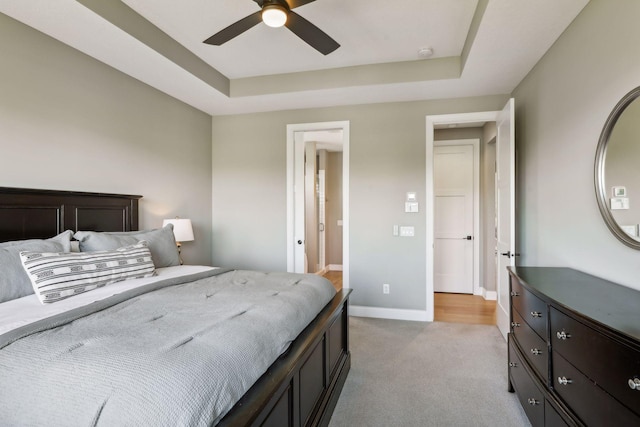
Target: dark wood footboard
302, 387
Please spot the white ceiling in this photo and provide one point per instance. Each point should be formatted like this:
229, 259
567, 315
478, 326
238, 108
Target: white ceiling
369, 32
480, 48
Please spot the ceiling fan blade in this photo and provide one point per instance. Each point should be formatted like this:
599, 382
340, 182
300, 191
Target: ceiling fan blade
260, 2
311, 34
297, 3
235, 29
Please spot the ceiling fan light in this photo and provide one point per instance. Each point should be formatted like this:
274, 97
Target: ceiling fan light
274, 15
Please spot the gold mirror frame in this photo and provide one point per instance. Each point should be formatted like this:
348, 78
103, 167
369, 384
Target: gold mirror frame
601, 153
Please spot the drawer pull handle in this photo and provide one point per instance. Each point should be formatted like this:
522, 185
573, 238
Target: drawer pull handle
536, 314
514, 294
634, 384
515, 365
515, 324
563, 335
535, 351
564, 381
533, 402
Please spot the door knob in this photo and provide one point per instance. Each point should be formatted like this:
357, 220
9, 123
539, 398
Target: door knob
508, 254
468, 238
299, 242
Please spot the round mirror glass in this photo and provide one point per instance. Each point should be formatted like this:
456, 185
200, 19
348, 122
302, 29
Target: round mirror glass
618, 170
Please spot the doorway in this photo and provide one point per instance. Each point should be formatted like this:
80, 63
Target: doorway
306, 148
505, 149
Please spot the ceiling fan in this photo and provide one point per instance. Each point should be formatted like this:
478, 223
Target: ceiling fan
277, 13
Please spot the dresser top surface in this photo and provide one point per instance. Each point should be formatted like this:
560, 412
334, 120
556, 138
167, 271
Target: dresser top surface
612, 305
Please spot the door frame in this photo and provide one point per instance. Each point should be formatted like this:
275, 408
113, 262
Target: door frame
475, 142
445, 119
309, 127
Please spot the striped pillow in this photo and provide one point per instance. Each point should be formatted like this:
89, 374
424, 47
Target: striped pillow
56, 276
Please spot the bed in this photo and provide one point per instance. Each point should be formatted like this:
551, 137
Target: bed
295, 383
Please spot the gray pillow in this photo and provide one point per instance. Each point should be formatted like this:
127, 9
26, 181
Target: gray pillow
162, 243
14, 282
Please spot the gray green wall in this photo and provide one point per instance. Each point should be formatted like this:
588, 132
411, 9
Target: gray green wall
561, 107
387, 159
69, 122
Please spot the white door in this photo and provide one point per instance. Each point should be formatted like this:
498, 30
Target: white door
310, 208
321, 220
453, 170
505, 209
299, 202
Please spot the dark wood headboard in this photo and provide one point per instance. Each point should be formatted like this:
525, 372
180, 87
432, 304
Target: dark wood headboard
40, 214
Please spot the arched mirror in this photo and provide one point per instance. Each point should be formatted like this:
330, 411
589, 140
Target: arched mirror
617, 170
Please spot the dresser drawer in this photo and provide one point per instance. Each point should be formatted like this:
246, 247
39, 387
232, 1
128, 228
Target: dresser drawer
551, 417
534, 347
532, 309
589, 402
530, 396
608, 363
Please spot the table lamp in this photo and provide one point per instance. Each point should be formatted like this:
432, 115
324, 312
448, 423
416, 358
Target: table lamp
182, 231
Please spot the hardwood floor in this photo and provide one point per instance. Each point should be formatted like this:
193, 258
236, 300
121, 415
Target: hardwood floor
335, 277
461, 308
453, 308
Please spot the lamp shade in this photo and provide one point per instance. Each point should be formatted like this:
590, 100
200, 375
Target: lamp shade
182, 229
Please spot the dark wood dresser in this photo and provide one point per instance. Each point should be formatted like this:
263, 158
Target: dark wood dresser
574, 348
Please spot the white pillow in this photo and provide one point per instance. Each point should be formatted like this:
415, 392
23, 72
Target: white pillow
56, 276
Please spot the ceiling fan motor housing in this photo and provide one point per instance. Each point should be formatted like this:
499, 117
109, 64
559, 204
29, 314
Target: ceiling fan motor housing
275, 13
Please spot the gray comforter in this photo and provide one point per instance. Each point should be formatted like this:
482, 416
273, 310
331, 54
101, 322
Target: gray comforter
170, 354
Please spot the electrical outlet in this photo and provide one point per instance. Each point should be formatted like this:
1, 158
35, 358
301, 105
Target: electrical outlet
385, 288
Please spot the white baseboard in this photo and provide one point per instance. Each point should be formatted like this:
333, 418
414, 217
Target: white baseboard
322, 272
489, 295
335, 267
388, 313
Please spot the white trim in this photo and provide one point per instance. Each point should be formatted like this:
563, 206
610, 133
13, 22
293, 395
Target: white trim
475, 142
321, 272
487, 295
335, 267
486, 116
388, 313
301, 127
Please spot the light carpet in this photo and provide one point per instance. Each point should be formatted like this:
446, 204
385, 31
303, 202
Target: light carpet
426, 374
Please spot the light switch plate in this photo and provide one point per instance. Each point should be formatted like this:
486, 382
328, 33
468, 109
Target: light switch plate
407, 231
411, 207
631, 230
411, 196
619, 203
